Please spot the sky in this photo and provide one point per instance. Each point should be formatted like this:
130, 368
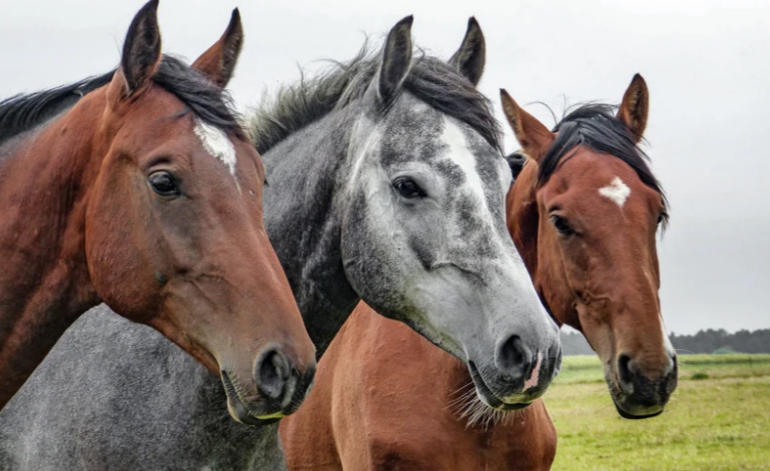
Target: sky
706, 64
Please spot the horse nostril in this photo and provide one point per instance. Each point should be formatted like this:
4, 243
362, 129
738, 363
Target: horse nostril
514, 357
671, 379
672, 365
557, 357
271, 373
625, 375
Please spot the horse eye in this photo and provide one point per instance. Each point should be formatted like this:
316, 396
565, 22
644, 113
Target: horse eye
164, 184
662, 217
562, 225
408, 188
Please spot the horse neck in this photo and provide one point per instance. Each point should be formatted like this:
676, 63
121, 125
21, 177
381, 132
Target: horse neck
303, 220
44, 283
524, 226
524, 217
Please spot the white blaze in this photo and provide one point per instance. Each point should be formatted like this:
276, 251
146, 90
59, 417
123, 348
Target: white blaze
461, 155
617, 191
216, 143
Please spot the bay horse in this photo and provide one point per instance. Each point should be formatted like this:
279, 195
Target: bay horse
146, 194
386, 183
584, 213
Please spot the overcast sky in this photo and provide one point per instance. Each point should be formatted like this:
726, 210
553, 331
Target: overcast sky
706, 63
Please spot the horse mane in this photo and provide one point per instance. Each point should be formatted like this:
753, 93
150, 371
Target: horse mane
430, 79
199, 94
595, 126
213, 106
21, 113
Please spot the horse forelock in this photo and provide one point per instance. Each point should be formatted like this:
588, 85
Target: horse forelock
209, 103
596, 127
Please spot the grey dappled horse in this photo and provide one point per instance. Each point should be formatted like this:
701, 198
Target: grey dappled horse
386, 183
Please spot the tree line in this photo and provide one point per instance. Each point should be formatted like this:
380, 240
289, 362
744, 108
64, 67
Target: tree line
705, 341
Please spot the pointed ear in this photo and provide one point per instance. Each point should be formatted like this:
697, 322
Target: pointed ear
141, 52
218, 62
396, 59
634, 108
472, 55
534, 137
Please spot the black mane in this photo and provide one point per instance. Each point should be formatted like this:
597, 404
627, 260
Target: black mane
201, 96
595, 126
213, 106
23, 112
430, 79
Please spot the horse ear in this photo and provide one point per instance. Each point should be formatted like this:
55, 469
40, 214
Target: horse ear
516, 161
141, 51
634, 108
396, 59
472, 55
218, 62
534, 137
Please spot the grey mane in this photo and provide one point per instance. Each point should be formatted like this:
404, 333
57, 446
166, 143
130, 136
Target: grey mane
430, 79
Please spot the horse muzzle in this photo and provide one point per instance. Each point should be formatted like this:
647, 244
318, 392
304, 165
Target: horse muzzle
280, 390
636, 396
522, 379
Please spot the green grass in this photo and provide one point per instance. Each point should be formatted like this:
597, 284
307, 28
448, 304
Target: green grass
719, 422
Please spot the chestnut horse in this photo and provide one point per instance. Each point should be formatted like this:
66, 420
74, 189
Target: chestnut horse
146, 195
584, 212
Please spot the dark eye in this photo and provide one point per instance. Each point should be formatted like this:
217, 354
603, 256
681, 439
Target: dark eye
561, 225
663, 216
408, 188
164, 184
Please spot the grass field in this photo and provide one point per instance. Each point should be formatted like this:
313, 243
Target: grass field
718, 419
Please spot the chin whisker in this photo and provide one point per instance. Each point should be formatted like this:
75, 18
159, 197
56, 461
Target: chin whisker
469, 408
